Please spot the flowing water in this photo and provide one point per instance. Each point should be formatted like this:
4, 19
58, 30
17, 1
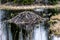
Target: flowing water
55, 38
40, 33
3, 32
9, 32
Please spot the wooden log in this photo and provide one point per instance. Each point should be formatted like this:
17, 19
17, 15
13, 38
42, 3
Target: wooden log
27, 7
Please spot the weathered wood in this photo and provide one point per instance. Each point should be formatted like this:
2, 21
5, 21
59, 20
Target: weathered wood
27, 7
26, 17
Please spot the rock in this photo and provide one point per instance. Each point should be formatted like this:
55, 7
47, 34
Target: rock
55, 28
56, 17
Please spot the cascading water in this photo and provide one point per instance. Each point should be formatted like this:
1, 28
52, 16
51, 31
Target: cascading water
40, 33
3, 32
9, 32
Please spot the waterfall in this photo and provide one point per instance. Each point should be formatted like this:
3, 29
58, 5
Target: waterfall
40, 33
3, 32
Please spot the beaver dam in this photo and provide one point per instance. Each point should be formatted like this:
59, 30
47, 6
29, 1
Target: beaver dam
29, 20
28, 25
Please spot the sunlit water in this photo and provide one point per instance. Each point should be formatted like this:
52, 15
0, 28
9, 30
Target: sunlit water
55, 38
40, 33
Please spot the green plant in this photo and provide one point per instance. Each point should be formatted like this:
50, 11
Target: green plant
7, 0
24, 1
53, 11
15, 1
27, 1
53, 1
